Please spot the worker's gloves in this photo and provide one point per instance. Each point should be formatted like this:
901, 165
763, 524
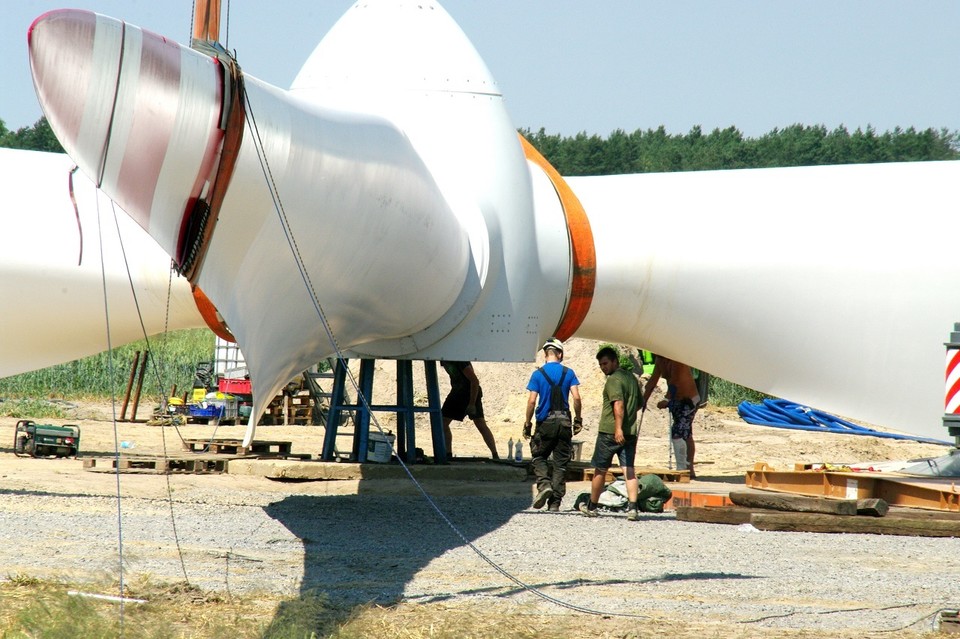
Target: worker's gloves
577, 425
526, 430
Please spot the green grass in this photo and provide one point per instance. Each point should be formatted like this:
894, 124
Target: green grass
724, 393
32, 408
173, 359
45, 609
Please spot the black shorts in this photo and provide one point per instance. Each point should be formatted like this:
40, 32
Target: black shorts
607, 447
682, 413
455, 405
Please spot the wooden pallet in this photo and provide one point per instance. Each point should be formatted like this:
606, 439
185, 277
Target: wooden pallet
160, 466
935, 493
577, 471
293, 410
236, 447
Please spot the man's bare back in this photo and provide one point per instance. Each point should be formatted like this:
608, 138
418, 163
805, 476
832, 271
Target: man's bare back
680, 376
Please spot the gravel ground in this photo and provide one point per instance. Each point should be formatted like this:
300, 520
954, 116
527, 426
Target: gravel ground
380, 541
254, 535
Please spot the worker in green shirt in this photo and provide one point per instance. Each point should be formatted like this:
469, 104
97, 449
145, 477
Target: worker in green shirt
617, 432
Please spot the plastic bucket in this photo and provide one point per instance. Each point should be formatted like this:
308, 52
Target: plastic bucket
379, 447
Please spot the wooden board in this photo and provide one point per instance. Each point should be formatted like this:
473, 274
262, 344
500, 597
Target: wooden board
889, 525
731, 515
908, 523
794, 503
872, 507
579, 471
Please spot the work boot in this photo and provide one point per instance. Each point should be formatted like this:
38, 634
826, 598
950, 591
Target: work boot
542, 497
554, 506
587, 511
633, 515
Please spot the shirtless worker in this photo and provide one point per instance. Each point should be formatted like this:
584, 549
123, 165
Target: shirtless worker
682, 401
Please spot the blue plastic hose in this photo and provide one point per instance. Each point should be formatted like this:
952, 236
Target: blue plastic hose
780, 413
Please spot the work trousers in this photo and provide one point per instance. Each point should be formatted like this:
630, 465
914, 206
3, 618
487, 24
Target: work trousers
553, 436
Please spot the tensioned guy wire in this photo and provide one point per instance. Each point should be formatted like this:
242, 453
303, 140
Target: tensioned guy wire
113, 404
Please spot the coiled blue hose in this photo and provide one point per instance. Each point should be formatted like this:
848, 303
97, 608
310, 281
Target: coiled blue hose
781, 413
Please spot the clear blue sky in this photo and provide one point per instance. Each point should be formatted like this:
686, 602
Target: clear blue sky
571, 65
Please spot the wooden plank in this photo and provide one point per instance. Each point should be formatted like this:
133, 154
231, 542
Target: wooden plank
890, 525
872, 507
794, 503
916, 513
582, 471
732, 515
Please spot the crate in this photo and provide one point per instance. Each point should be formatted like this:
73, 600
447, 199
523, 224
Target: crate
235, 386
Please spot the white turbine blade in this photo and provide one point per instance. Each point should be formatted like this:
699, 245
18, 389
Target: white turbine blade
53, 304
832, 286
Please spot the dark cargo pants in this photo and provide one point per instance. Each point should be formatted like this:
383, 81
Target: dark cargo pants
553, 436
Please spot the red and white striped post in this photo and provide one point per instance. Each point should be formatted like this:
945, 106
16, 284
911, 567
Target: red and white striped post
951, 413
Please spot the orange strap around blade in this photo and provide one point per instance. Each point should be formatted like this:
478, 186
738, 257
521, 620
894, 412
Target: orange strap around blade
582, 248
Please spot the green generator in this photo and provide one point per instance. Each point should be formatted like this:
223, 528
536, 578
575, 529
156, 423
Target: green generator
46, 440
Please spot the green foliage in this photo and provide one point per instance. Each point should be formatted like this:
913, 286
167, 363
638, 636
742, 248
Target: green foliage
655, 150
46, 609
623, 354
39, 137
32, 408
724, 393
173, 360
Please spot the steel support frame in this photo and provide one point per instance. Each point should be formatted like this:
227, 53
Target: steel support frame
404, 408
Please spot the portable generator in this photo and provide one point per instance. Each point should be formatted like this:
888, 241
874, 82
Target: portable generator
46, 440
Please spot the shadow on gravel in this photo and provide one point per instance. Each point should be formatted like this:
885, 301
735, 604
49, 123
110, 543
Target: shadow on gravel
697, 576
586, 583
363, 549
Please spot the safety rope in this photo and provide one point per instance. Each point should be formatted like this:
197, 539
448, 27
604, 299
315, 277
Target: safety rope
226, 39
308, 283
113, 406
157, 373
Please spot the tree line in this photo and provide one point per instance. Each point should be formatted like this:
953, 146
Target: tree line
38, 137
656, 151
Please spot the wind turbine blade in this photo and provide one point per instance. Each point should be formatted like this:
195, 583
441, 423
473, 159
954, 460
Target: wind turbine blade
833, 286
54, 308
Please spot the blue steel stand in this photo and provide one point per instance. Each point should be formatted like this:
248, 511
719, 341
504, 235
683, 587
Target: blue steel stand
404, 408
